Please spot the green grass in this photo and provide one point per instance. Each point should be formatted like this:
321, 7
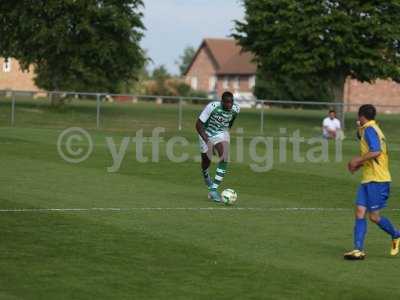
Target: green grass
180, 254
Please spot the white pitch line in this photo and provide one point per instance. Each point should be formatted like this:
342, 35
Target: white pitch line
127, 209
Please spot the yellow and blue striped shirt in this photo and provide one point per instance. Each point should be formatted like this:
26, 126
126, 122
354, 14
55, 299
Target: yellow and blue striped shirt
373, 140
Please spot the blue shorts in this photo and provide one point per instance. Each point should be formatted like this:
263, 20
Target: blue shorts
373, 195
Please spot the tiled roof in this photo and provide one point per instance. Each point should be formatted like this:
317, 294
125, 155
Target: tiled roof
229, 57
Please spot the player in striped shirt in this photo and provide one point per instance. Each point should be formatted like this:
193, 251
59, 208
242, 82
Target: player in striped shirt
213, 127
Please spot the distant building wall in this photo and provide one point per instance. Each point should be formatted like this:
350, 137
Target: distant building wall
381, 93
200, 75
235, 83
11, 76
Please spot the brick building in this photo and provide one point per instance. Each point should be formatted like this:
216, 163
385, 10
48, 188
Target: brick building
220, 64
11, 76
385, 94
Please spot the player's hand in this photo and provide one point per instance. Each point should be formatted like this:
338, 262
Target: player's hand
351, 168
355, 164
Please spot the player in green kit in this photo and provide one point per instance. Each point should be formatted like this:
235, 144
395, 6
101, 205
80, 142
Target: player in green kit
213, 127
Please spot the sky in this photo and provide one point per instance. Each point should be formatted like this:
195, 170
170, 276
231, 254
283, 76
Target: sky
171, 25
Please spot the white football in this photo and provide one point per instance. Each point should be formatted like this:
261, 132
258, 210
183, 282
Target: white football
229, 196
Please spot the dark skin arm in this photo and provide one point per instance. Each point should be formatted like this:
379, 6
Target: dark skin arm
201, 131
232, 121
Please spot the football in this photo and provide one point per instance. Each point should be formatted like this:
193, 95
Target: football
229, 196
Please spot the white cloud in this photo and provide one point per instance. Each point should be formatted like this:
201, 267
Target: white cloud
174, 24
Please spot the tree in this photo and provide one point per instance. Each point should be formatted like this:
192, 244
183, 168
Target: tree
160, 76
137, 85
86, 45
160, 73
269, 86
162, 83
185, 59
323, 41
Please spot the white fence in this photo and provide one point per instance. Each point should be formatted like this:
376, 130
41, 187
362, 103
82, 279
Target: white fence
99, 98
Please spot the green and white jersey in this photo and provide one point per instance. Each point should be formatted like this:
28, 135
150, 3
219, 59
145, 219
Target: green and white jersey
215, 119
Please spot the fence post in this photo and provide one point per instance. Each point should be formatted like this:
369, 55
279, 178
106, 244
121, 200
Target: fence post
262, 118
98, 111
180, 114
50, 96
339, 108
343, 110
12, 108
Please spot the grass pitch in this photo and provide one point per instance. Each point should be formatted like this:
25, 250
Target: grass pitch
165, 240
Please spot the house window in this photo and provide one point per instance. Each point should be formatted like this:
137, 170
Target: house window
225, 83
212, 83
236, 83
7, 65
193, 83
252, 81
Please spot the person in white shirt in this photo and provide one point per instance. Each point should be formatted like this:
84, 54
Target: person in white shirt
331, 128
